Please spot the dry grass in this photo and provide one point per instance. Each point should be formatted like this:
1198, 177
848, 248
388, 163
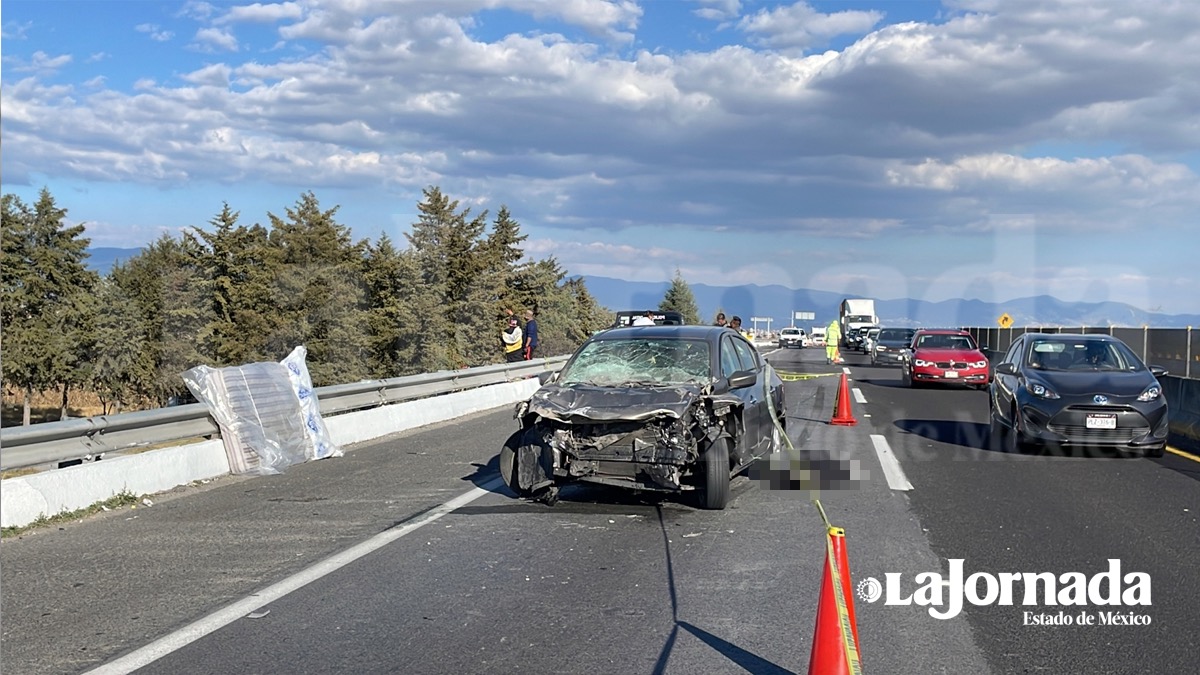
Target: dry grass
117, 501
45, 407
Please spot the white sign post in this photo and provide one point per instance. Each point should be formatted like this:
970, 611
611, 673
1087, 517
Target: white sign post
755, 319
803, 316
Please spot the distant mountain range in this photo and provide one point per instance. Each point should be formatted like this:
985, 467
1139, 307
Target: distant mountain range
778, 303
102, 259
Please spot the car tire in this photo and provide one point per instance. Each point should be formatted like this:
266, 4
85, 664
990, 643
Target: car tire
1156, 451
508, 463
1014, 440
996, 431
715, 496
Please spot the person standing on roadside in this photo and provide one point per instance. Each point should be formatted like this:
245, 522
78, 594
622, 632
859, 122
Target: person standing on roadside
721, 320
513, 339
531, 335
833, 336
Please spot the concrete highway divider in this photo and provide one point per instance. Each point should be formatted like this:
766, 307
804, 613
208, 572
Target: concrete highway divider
25, 499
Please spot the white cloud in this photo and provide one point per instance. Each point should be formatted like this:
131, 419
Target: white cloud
1080, 113
155, 32
260, 13
215, 38
801, 26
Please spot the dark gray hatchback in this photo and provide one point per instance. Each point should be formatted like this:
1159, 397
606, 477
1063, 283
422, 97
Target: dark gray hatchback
1065, 391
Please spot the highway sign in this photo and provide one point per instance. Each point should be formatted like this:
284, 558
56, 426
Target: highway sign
805, 316
1005, 320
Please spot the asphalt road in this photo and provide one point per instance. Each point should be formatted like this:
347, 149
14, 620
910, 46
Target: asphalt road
347, 566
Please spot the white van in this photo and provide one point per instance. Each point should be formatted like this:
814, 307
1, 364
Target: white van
793, 337
818, 336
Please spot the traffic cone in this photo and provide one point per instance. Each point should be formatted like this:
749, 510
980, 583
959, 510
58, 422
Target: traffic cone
835, 649
841, 413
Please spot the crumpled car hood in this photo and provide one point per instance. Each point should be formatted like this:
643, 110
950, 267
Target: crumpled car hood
580, 402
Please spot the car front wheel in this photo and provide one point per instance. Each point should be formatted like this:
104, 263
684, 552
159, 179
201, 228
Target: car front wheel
716, 475
1014, 441
508, 463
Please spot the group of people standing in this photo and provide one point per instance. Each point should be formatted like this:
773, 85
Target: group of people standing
520, 344
735, 323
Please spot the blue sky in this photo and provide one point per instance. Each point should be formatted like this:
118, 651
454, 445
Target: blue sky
986, 149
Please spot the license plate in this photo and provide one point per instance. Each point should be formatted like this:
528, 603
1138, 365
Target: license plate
1101, 421
952, 374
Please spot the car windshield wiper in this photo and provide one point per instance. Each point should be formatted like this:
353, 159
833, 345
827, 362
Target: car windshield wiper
641, 383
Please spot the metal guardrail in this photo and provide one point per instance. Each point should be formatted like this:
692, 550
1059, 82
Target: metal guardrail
73, 439
1176, 349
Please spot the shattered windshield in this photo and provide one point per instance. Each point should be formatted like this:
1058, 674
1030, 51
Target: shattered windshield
640, 361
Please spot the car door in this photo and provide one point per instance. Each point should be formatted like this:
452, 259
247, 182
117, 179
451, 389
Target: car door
731, 363
757, 412
1005, 386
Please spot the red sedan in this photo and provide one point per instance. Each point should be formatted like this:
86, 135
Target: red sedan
945, 357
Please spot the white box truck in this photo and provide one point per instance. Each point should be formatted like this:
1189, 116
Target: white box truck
856, 318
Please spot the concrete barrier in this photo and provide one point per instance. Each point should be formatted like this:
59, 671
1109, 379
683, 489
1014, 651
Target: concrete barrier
25, 499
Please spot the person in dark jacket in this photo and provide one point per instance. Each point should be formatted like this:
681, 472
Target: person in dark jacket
531, 336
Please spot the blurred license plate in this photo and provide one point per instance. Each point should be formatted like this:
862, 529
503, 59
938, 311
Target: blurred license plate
1102, 421
952, 373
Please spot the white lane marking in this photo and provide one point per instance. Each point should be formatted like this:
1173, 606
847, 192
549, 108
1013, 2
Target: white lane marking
846, 369
223, 617
891, 466
858, 395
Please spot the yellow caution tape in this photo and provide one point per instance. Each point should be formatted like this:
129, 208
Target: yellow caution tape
839, 600
795, 377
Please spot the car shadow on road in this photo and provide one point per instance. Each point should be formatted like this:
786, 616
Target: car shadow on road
745, 659
894, 383
952, 432
977, 436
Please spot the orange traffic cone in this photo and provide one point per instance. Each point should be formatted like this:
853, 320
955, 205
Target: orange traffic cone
835, 649
841, 413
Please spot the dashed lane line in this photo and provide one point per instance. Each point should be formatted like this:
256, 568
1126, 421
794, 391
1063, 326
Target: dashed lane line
896, 479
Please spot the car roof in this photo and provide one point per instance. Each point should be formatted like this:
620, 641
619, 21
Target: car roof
675, 332
1074, 336
942, 331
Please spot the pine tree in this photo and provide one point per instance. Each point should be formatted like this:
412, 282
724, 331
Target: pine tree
47, 298
679, 298
117, 348
454, 261
167, 285
393, 320
239, 266
319, 293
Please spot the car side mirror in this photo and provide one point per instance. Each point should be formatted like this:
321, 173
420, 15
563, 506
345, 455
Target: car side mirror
1006, 369
743, 378
1158, 371
547, 376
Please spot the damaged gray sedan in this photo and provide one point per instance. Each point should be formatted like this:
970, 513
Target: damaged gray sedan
661, 408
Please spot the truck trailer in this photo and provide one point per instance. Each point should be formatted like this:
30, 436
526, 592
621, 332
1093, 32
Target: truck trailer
856, 318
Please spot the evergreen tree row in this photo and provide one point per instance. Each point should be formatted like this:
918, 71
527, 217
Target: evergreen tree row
232, 294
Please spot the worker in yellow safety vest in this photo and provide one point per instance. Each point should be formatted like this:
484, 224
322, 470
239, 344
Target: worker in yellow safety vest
833, 337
